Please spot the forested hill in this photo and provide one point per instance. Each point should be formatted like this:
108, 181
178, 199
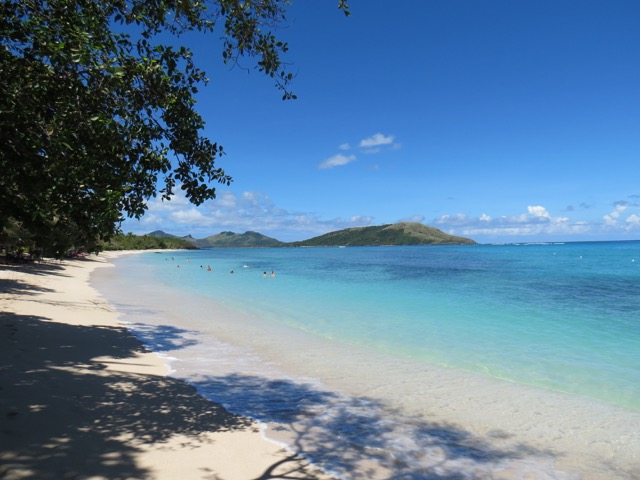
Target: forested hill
236, 240
405, 233
394, 234
152, 241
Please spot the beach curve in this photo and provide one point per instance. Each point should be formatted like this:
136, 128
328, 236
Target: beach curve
81, 397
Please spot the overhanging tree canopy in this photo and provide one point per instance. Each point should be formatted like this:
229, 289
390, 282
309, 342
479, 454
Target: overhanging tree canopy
97, 115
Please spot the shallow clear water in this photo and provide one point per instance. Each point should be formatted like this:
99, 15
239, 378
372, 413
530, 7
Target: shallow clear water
388, 327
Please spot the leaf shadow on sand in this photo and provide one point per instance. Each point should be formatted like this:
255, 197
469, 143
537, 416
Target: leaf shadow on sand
362, 438
164, 338
61, 416
11, 286
64, 413
45, 267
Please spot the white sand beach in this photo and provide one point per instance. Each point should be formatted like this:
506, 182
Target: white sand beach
81, 398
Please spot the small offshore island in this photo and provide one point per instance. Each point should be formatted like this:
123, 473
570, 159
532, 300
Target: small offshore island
404, 233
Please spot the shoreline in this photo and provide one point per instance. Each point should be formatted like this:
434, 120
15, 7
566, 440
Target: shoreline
81, 397
427, 412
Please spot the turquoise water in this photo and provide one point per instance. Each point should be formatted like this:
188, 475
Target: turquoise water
562, 318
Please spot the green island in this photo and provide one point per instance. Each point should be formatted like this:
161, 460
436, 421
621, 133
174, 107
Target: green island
404, 233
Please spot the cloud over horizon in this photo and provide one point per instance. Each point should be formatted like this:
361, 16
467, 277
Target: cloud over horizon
536, 222
248, 211
256, 212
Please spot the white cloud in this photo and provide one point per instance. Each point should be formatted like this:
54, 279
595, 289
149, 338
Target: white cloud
150, 219
538, 211
226, 199
239, 213
536, 222
337, 161
359, 220
189, 217
413, 218
253, 198
612, 218
376, 140
371, 145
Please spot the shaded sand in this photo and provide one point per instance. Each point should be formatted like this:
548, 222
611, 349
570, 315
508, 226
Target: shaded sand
80, 398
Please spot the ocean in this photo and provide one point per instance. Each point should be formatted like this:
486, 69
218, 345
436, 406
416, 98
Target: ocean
416, 362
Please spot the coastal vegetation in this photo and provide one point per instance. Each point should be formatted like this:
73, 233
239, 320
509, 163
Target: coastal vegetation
97, 109
147, 242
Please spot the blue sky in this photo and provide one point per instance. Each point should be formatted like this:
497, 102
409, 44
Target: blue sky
499, 120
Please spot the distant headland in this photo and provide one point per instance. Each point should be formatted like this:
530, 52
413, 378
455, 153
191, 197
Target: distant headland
404, 233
